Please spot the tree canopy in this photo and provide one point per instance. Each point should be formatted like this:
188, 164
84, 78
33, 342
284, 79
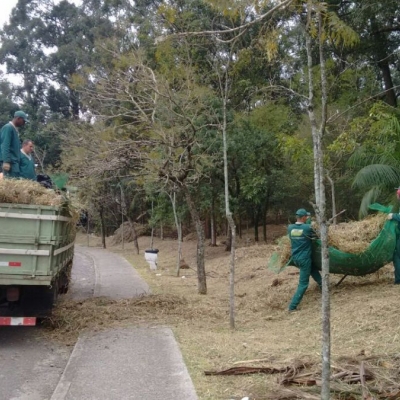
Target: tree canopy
119, 89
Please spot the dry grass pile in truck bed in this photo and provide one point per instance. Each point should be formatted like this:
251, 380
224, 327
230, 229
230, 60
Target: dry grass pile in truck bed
25, 191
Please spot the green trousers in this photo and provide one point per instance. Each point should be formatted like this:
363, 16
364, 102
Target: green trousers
306, 270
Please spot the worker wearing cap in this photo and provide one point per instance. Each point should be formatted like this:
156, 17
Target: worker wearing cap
396, 254
10, 145
301, 235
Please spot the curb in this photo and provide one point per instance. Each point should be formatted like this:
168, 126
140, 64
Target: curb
62, 388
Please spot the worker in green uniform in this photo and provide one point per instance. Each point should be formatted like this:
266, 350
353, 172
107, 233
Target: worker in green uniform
27, 162
396, 254
301, 235
10, 145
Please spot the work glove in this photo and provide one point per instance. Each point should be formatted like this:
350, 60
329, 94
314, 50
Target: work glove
390, 216
6, 166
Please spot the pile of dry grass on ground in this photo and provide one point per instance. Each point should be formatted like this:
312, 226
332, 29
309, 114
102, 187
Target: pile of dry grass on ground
72, 317
128, 234
350, 237
27, 192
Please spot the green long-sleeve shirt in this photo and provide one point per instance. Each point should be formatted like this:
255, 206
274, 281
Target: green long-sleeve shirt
10, 146
301, 236
27, 167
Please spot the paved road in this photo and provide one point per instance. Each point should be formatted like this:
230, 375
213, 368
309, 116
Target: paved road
121, 364
126, 364
30, 365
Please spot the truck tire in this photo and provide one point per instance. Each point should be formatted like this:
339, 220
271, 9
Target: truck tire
64, 279
38, 301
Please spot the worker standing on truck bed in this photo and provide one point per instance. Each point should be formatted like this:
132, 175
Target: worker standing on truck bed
10, 145
27, 162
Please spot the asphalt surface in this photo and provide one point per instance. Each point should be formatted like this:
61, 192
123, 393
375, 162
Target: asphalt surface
137, 363
133, 363
30, 365
125, 364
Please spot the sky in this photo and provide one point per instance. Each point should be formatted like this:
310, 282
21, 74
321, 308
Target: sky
8, 5
5, 11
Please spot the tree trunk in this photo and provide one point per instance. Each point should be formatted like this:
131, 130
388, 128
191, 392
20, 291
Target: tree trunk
201, 272
264, 225
317, 134
135, 239
256, 218
207, 227
390, 93
213, 227
132, 226
152, 226
179, 257
333, 197
88, 230
228, 244
382, 59
103, 228
178, 225
224, 85
152, 237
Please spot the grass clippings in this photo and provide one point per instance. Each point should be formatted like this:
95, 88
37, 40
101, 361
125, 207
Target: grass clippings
71, 317
349, 237
355, 237
363, 317
24, 191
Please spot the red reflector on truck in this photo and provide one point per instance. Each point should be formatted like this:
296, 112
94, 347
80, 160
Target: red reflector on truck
17, 321
10, 263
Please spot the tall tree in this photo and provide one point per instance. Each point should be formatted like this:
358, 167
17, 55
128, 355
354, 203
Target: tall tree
378, 24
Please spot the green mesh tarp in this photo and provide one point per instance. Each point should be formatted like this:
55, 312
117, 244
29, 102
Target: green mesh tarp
379, 253
60, 179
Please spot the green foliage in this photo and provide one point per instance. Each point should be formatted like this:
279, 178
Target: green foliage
339, 32
373, 142
110, 101
7, 106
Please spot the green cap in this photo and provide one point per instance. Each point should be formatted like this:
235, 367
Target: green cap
301, 212
22, 115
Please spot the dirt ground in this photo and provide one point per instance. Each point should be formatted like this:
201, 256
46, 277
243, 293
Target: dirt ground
364, 319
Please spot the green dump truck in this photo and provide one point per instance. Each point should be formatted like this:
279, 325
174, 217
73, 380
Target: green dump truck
36, 252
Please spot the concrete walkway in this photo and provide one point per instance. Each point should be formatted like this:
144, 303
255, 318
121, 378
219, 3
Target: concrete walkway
123, 364
115, 276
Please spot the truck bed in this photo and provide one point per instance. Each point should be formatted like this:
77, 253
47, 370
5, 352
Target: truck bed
36, 252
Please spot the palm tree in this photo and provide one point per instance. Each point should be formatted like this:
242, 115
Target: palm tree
378, 157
